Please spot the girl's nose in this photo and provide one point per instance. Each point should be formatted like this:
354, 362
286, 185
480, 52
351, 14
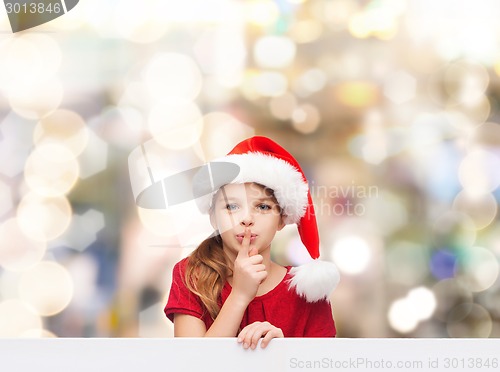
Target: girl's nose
247, 218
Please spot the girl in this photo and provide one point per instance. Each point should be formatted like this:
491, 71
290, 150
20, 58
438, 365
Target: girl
229, 286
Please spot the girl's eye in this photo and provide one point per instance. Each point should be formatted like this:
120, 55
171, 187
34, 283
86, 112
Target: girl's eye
264, 207
231, 207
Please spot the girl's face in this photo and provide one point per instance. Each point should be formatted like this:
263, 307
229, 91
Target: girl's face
237, 206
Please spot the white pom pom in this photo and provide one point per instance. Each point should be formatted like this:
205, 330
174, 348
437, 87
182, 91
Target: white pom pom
315, 280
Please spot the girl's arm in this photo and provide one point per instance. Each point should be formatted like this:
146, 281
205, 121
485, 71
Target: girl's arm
225, 325
228, 321
188, 326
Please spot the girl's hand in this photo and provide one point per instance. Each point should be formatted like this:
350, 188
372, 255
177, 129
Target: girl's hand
249, 271
251, 334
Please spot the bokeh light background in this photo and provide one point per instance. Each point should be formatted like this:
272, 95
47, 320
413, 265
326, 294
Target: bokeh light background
391, 106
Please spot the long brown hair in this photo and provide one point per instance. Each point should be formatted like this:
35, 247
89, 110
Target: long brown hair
206, 272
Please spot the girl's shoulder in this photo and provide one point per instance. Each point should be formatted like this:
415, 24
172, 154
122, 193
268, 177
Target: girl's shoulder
180, 268
182, 263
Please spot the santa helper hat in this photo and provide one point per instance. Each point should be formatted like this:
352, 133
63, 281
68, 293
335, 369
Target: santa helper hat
263, 161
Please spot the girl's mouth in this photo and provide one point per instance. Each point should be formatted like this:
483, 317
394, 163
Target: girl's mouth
240, 237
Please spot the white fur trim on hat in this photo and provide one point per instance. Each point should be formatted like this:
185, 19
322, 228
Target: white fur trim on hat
315, 280
284, 179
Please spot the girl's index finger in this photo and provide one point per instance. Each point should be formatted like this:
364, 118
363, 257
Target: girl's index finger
245, 244
251, 251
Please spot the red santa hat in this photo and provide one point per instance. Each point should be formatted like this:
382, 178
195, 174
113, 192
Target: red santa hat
261, 160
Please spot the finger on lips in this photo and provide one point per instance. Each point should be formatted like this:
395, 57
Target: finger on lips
245, 244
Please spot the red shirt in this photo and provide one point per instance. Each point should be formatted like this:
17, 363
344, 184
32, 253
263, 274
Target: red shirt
281, 307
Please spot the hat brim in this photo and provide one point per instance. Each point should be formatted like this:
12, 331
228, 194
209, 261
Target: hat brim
287, 183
